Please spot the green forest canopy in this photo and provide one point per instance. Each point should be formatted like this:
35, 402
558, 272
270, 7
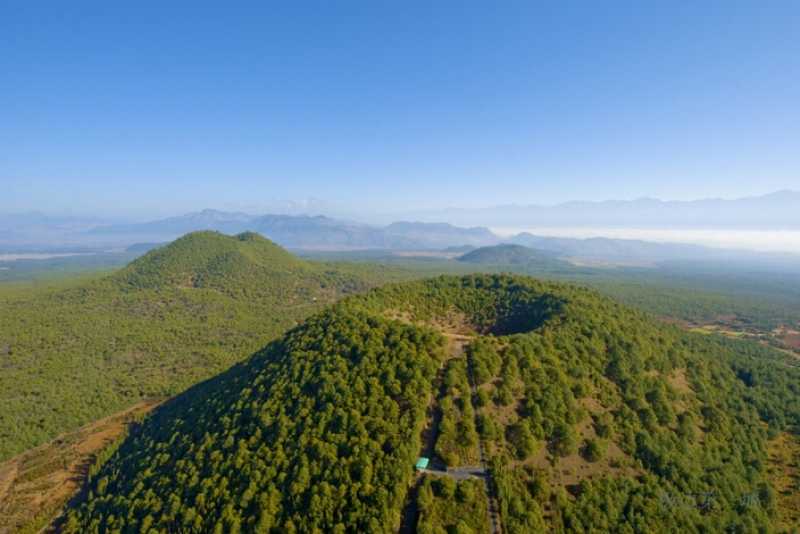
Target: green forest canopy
173, 317
319, 431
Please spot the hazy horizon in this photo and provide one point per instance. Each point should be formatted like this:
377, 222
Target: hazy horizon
756, 238
752, 240
316, 206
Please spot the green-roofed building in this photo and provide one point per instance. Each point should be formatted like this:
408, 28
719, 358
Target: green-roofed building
422, 463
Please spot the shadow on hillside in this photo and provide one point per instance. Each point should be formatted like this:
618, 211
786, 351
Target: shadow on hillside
522, 317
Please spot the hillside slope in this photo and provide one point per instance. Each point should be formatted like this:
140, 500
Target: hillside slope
177, 315
587, 414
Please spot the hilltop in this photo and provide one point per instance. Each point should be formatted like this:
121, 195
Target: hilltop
210, 259
179, 314
517, 255
556, 408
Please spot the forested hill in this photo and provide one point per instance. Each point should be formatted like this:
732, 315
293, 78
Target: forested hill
509, 254
590, 416
211, 260
179, 314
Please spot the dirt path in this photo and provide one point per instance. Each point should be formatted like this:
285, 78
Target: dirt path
8, 472
35, 485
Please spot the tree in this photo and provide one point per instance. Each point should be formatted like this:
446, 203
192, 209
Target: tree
595, 449
564, 440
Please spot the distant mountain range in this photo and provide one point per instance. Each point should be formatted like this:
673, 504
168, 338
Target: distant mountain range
303, 232
779, 210
36, 232
306, 232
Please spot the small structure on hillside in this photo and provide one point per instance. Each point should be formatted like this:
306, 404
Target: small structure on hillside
422, 463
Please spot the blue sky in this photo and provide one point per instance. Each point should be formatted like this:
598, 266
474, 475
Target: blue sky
153, 108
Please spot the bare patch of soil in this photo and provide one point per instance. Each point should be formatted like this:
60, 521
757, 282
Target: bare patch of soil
791, 338
678, 381
783, 468
592, 405
35, 485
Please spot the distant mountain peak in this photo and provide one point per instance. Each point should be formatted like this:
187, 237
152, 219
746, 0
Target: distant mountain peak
511, 254
776, 210
307, 231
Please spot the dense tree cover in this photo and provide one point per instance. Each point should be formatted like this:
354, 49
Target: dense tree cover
127, 344
182, 313
43, 271
496, 304
457, 442
594, 416
699, 300
316, 433
756, 297
520, 494
447, 506
212, 260
691, 453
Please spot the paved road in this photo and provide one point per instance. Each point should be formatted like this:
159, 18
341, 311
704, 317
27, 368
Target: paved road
457, 473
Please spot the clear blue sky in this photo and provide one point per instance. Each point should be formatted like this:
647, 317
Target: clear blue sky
143, 108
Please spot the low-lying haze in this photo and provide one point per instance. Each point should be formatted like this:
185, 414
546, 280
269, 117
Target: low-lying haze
756, 240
